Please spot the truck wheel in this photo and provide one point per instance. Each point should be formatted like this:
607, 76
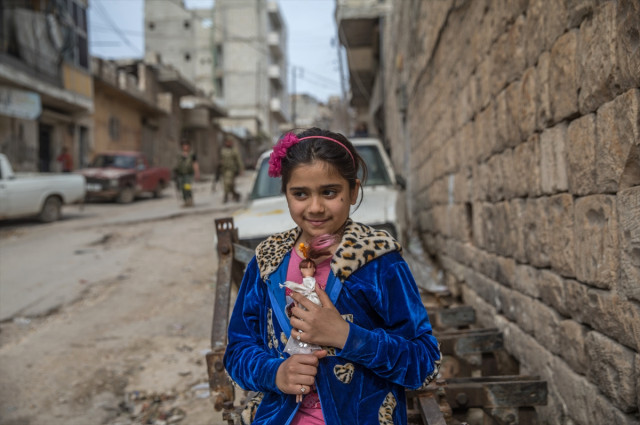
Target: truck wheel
157, 193
126, 196
51, 210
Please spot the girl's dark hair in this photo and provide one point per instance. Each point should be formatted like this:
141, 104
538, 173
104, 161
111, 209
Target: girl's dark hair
310, 150
306, 264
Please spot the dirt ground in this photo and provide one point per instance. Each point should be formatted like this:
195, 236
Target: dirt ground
130, 350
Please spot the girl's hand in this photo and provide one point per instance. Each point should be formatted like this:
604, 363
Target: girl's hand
320, 325
298, 372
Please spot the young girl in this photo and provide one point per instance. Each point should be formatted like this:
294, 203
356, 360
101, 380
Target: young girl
371, 323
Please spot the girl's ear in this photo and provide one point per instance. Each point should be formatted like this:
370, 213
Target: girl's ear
354, 192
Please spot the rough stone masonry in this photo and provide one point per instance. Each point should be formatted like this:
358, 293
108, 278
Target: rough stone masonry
519, 121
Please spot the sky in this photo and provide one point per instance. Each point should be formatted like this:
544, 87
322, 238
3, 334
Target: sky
116, 31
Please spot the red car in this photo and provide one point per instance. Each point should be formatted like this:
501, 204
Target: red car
123, 175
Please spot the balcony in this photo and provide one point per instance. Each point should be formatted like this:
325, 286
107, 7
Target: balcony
277, 109
196, 118
276, 76
274, 41
274, 14
358, 28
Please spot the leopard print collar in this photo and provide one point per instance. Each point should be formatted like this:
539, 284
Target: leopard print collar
360, 244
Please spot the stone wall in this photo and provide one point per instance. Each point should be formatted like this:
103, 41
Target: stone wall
519, 121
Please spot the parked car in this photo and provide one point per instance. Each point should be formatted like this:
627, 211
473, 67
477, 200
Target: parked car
37, 194
381, 207
122, 176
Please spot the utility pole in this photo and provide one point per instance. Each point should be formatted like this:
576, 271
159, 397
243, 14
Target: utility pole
294, 71
345, 113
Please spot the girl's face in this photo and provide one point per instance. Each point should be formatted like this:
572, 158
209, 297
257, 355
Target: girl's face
319, 199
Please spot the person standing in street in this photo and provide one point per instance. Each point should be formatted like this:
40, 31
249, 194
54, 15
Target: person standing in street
65, 160
185, 171
229, 167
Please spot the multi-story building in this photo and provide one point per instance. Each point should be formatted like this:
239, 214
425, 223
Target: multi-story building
234, 52
46, 93
140, 106
359, 26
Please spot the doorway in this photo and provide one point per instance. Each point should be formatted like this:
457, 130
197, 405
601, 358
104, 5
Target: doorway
44, 148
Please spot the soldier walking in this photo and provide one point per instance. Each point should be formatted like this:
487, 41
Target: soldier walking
184, 172
229, 167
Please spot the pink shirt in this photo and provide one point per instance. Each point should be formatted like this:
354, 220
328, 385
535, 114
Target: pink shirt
310, 411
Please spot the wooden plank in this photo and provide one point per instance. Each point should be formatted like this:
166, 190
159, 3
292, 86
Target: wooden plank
461, 343
430, 410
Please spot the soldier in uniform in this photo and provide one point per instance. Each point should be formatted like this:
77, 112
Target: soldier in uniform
229, 168
185, 170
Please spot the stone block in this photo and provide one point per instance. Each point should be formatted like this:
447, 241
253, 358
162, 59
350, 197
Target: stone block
561, 246
574, 392
500, 239
581, 155
618, 147
598, 70
514, 106
612, 370
527, 280
563, 82
486, 288
551, 288
578, 10
516, 213
553, 160
543, 105
467, 138
505, 136
510, 175
628, 206
613, 316
509, 240
495, 189
596, 238
576, 297
534, 36
520, 177
462, 185
486, 120
627, 32
528, 103
531, 166
536, 232
546, 323
484, 81
520, 309
572, 345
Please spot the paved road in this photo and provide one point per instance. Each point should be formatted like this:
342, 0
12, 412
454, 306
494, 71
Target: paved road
44, 266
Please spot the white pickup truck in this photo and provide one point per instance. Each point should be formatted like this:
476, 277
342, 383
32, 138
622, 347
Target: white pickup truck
37, 194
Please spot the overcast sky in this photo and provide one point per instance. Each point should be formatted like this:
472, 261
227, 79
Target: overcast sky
116, 30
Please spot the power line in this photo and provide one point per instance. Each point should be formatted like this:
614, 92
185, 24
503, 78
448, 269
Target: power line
122, 36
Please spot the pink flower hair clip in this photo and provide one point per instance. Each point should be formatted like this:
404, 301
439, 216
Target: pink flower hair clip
279, 152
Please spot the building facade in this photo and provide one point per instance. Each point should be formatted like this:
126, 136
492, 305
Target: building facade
236, 54
46, 88
141, 106
518, 123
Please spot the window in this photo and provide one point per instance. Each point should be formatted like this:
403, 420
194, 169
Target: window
219, 87
152, 26
114, 128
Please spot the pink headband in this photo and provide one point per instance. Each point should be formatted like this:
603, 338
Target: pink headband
290, 139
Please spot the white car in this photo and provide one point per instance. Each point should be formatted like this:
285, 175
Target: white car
37, 194
381, 207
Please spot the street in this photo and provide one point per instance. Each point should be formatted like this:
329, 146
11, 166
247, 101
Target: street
105, 316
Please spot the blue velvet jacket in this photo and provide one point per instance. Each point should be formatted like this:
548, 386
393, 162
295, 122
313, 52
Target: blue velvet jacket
390, 345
